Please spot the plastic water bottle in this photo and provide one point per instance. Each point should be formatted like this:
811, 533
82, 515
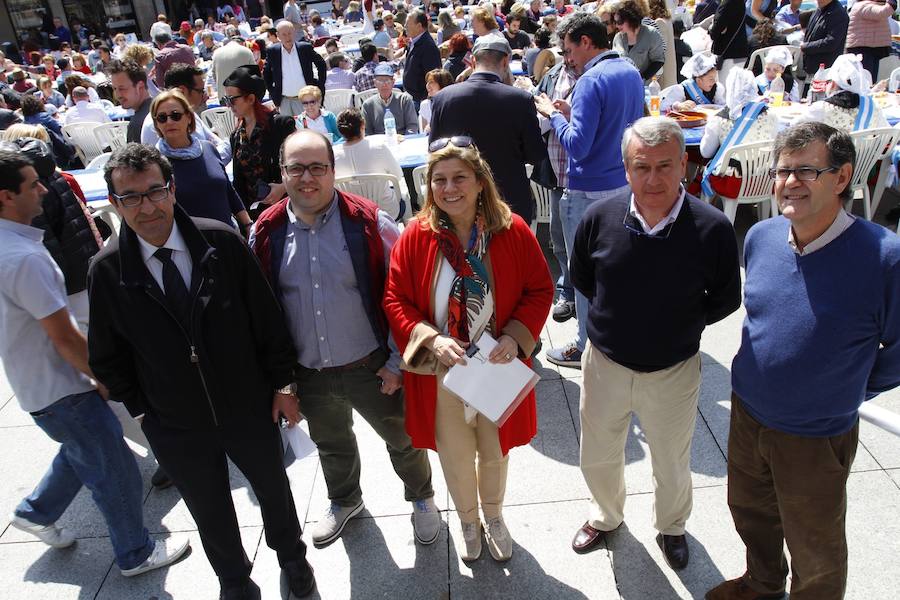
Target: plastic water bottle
390, 127
776, 90
653, 88
819, 83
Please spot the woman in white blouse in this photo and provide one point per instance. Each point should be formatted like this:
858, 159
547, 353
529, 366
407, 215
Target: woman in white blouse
360, 155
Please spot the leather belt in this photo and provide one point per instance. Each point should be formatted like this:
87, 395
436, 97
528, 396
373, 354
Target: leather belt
365, 362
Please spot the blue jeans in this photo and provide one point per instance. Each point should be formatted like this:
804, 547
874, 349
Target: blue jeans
572, 206
92, 453
558, 242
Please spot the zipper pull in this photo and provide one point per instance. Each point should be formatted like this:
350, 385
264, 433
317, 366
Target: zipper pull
194, 358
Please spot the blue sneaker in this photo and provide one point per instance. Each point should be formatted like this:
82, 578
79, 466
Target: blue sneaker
569, 356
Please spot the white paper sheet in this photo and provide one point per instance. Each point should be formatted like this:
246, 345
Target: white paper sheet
297, 439
494, 390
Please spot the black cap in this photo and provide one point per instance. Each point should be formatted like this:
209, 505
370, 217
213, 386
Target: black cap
247, 79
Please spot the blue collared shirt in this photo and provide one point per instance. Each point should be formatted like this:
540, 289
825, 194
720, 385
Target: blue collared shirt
320, 294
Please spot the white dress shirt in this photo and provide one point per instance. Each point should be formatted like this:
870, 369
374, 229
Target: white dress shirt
669, 218
840, 224
291, 73
86, 112
180, 256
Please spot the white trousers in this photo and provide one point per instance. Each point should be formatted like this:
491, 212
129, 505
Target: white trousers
666, 404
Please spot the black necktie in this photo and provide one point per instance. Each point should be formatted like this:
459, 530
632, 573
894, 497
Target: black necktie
175, 289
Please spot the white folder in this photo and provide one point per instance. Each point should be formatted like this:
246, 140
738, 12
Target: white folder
493, 389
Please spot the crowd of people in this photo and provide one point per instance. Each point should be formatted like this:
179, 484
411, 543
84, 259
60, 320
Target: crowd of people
245, 290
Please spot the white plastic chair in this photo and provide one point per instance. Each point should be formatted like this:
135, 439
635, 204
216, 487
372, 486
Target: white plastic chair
99, 162
418, 176
756, 185
894, 82
542, 205
112, 135
220, 119
872, 146
761, 55
361, 97
81, 136
106, 212
372, 186
337, 100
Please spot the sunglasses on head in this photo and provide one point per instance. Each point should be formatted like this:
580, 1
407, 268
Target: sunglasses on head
460, 141
163, 117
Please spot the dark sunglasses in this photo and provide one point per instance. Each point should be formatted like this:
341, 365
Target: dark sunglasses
229, 100
163, 117
460, 141
619, 21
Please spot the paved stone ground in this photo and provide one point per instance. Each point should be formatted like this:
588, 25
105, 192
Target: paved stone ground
546, 502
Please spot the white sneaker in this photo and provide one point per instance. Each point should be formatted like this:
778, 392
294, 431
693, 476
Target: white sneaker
468, 543
49, 534
165, 552
498, 540
332, 523
426, 521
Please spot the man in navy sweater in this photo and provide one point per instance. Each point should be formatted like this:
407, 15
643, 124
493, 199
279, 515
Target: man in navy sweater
822, 336
657, 266
608, 97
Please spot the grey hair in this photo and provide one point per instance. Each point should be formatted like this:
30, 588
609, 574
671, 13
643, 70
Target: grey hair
653, 131
162, 38
839, 145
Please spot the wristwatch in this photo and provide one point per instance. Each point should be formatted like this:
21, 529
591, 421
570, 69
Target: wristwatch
288, 390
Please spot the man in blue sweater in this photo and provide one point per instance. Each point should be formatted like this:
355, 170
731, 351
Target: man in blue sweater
822, 336
608, 97
658, 266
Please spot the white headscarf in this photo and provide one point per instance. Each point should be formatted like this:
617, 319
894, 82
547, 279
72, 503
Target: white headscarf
698, 64
779, 56
849, 75
740, 89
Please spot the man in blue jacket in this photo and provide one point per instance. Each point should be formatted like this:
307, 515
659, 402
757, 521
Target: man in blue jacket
822, 335
608, 97
499, 117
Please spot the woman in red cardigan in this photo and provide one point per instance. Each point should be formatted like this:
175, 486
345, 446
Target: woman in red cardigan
466, 265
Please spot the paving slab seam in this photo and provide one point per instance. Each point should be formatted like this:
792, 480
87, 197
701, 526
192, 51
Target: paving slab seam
103, 581
872, 454
17, 426
709, 429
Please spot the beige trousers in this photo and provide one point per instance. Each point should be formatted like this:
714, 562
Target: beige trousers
666, 404
459, 445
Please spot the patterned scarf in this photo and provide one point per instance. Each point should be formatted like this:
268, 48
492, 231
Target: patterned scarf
470, 286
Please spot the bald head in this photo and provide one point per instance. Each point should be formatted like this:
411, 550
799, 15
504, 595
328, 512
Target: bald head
284, 31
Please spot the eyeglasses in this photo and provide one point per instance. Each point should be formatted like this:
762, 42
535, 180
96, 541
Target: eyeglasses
298, 169
309, 102
800, 173
154, 195
163, 117
229, 100
460, 141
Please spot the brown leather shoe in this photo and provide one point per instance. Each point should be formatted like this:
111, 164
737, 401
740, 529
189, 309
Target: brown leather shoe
737, 589
675, 549
587, 539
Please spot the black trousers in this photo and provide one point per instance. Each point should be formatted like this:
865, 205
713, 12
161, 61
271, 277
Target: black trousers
196, 462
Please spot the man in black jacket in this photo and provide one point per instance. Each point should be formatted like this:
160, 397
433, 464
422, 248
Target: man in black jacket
289, 67
825, 36
729, 36
187, 333
500, 118
422, 56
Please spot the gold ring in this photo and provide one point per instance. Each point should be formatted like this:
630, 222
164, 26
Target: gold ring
508, 356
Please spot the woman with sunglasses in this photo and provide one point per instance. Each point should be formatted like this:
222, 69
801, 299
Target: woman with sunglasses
313, 117
202, 187
637, 40
256, 140
466, 265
